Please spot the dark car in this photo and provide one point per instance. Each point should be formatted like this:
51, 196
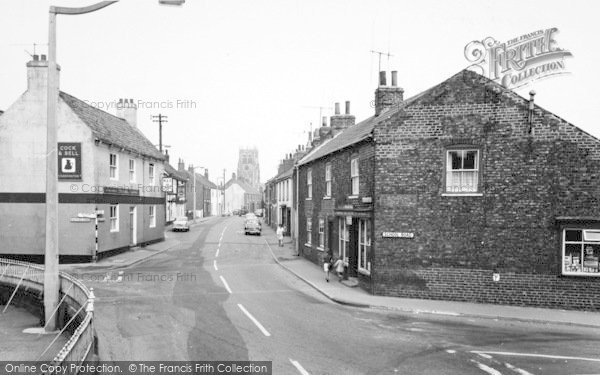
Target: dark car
252, 226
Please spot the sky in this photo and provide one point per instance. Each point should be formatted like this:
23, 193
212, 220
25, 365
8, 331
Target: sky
234, 74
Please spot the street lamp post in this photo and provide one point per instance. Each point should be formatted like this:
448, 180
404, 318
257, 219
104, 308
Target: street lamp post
51, 285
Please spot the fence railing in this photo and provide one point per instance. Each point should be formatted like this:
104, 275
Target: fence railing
73, 293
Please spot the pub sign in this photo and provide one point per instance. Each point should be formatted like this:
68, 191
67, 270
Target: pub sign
69, 161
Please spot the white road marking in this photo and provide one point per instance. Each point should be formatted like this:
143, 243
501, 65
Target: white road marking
226, 285
487, 369
539, 356
486, 356
299, 367
215, 265
253, 319
217, 253
516, 369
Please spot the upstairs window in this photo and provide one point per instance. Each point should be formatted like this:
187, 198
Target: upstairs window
354, 176
132, 171
328, 180
309, 183
113, 165
462, 171
151, 176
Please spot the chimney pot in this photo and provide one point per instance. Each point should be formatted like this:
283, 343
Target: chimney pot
324, 120
382, 79
43, 57
36, 57
347, 107
337, 108
394, 78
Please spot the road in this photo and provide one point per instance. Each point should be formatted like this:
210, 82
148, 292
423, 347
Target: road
219, 295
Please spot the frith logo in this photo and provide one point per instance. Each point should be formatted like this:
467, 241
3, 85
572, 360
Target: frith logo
520, 60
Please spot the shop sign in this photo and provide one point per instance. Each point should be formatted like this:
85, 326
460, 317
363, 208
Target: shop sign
398, 235
80, 220
69, 161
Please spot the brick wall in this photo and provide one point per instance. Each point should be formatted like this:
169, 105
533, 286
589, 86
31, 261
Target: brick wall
526, 180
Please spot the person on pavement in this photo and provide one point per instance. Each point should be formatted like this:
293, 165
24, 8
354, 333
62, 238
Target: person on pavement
339, 268
327, 266
280, 235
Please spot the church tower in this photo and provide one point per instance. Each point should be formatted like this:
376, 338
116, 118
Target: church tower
248, 169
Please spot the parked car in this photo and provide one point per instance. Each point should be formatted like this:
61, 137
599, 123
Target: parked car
252, 226
181, 224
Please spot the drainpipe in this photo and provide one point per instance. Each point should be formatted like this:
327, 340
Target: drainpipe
297, 208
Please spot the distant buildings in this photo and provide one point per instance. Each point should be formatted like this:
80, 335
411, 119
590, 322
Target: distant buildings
240, 195
248, 169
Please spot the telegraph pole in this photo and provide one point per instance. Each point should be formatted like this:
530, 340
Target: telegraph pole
160, 119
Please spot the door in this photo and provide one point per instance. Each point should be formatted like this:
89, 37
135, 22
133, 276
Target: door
330, 236
132, 226
353, 248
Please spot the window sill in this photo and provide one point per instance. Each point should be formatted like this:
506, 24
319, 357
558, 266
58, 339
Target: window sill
326, 198
582, 274
321, 248
462, 194
353, 197
308, 199
308, 245
114, 231
364, 271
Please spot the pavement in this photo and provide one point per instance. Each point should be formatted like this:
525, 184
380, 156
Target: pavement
16, 345
314, 276
133, 256
338, 292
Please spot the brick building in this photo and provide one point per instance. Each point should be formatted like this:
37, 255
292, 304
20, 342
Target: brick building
464, 192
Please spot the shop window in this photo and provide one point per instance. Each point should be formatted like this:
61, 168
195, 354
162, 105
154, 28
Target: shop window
309, 183
321, 233
462, 171
308, 231
344, 239
581, 250
152, 216
328, 180
114, 166
364, 246
354, 176
114, 218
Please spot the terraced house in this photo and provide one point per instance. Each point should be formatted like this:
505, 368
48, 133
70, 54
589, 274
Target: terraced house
465, 192
106, 165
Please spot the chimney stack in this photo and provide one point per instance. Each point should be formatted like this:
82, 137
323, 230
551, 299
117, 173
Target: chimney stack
37, 74
388, 97
127, 110
341, 122
181, 165
167, 155
337, 108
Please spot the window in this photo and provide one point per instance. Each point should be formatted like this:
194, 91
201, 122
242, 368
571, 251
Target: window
309, 183
581, 249
131, 171
151, 173
308, 231
344, 239
114, 218
328, 180
364, 246
287, 189
152, 216
114, 169
354, 175
321, 233
462, 171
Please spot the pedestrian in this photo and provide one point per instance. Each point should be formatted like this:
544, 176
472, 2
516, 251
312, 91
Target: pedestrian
280, 235
327, 266
339, 268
